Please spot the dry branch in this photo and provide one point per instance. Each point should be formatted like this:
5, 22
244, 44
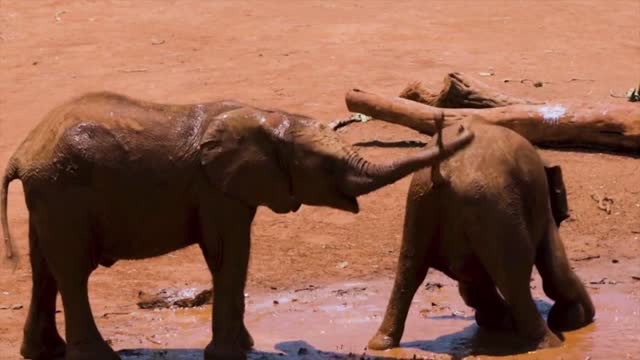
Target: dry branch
612, 126
460, 91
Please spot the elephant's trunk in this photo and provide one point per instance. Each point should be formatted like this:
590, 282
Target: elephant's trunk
366, 177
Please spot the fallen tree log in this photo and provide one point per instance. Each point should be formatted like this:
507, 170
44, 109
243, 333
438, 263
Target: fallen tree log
610, 126
460, 91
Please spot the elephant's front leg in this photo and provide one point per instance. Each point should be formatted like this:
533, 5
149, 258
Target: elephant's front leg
411, 270
227, 255
404, 289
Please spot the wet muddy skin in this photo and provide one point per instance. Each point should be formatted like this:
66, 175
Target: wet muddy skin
302, 57
336, 321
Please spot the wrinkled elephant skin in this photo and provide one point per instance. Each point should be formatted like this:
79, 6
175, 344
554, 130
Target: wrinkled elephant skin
107, 177
488, 217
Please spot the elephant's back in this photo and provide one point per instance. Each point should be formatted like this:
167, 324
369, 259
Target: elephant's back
99, 127
497, 158
502, 174
499, 170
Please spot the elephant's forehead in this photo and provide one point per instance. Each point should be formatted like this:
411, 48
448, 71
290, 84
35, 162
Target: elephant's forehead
241, 118
320, 142
248, 116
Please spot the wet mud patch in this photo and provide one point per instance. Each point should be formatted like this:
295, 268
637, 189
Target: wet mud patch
268, 56
336, 321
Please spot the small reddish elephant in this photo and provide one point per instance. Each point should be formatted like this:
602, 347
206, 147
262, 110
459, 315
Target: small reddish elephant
488, 216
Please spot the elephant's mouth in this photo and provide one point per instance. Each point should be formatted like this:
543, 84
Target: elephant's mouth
355, 208
350, 204
296, 206
292, 205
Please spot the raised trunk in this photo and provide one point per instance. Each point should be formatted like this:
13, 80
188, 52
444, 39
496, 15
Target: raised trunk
366, 177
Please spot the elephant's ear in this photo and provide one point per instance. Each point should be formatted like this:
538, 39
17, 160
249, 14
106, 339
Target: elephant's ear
557, 194
242, 160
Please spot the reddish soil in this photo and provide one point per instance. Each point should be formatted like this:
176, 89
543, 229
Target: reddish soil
303, 57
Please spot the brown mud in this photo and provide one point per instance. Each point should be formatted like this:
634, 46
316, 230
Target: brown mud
303, 57
336, 321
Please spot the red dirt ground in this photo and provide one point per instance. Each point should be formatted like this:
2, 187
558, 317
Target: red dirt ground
303, 57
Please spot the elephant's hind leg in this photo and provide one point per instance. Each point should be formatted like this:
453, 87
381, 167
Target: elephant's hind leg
68, 249
41, 339
573, 308
419, 231
492, 312
509, 265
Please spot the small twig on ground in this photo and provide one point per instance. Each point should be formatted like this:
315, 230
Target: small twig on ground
616, 95
307, 288
522, 81
603, 281
107, 314
134, 70
343, 292
352, 119
59, 14
578, 79
153, 340
632, 94
536, 83
589, 257
604, 202
335, 125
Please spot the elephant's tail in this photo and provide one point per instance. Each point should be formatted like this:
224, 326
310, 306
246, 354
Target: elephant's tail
436, 175
11, 173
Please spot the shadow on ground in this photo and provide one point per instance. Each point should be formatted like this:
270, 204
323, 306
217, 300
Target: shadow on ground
469, 341
285, 350
391, 144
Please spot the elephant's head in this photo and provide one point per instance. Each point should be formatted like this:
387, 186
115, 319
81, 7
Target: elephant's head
282, 160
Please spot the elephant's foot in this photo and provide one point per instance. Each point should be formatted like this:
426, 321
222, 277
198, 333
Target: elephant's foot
234, 350
245, 340
570, 316
495, 320
382, 341
549, 340
212, 352
50, 346
98, 350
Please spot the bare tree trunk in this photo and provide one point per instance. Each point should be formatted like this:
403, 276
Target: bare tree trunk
611, 126
460, 91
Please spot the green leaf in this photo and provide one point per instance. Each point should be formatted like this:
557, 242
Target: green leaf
360, 117
633, 95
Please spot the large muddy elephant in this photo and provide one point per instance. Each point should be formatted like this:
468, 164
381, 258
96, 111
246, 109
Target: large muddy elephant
485, 218
107, 177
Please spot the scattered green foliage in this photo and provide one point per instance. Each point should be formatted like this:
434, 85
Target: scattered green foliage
633, 94
360, 117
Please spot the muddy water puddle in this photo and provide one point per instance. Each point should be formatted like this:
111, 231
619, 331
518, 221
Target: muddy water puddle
336, 321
